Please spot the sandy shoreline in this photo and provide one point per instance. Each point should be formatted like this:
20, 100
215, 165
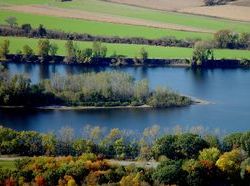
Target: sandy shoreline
57, 107
195, 101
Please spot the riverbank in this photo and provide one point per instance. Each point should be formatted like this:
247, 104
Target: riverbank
195, 101
129, 62
107, 61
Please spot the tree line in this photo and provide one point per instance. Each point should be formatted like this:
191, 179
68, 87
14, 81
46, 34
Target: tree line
90, 89
185, 158
46, 51
216, 2
41, 32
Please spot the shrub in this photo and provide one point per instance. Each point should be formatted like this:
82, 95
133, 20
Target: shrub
12, 21
4, 48
43, 48
162, 97
99, 50
230, 161
245, 170
211, 154
179, 146
169, 172
232, 141
27, 52
226, 39
202, 52
27, 28
189, 145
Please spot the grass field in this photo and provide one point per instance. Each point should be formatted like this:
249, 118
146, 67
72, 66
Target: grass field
142, 13
7, 164
97, 28
131, 50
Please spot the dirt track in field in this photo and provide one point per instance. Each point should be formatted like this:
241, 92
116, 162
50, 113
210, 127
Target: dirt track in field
169, 5
241, 13
79, 14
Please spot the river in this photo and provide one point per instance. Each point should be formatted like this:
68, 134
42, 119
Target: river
227, 90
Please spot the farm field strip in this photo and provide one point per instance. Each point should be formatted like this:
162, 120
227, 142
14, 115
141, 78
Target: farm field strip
115, 9
128, 50
168, 5
98, 28
225, 11
80, 14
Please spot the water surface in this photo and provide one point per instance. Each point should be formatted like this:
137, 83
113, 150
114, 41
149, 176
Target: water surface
227, 90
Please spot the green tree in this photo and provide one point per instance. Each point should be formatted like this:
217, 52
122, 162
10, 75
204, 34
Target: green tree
99, 50
43, 48
84, 56
245, 40
232, 141
189, 145
4, 48
41, 31
164, 146
179, 146
27, 51
79, 146
70, 51
53, 49
202, 52
212, 140
143, 54
12, 21
229, 162
211, 154
49, 144
226, 39
169, 172
26, 27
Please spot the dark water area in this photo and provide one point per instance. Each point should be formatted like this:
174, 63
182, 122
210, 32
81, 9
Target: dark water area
227, 90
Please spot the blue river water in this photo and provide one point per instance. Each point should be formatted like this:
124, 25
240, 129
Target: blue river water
227, 90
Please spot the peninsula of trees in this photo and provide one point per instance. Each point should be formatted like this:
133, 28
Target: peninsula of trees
104, 89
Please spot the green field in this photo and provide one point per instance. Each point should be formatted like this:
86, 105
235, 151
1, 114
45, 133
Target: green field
7, 164
142, 13
97, 28
131, 50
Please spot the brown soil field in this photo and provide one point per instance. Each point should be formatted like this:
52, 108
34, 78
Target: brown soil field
233, 12
79, 14
169, 5
241, 3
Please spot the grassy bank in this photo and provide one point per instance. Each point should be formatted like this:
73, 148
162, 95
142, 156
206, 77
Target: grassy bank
128, 50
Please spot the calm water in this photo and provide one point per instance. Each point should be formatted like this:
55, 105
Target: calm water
228, 90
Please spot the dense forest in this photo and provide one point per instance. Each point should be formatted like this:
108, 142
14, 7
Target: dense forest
185, 158
90, 89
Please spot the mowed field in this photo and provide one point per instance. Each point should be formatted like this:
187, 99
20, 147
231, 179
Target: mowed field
93, 16
128, 50
98, 28
71, 17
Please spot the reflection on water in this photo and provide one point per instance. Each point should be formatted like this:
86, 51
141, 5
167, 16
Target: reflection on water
228, 89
